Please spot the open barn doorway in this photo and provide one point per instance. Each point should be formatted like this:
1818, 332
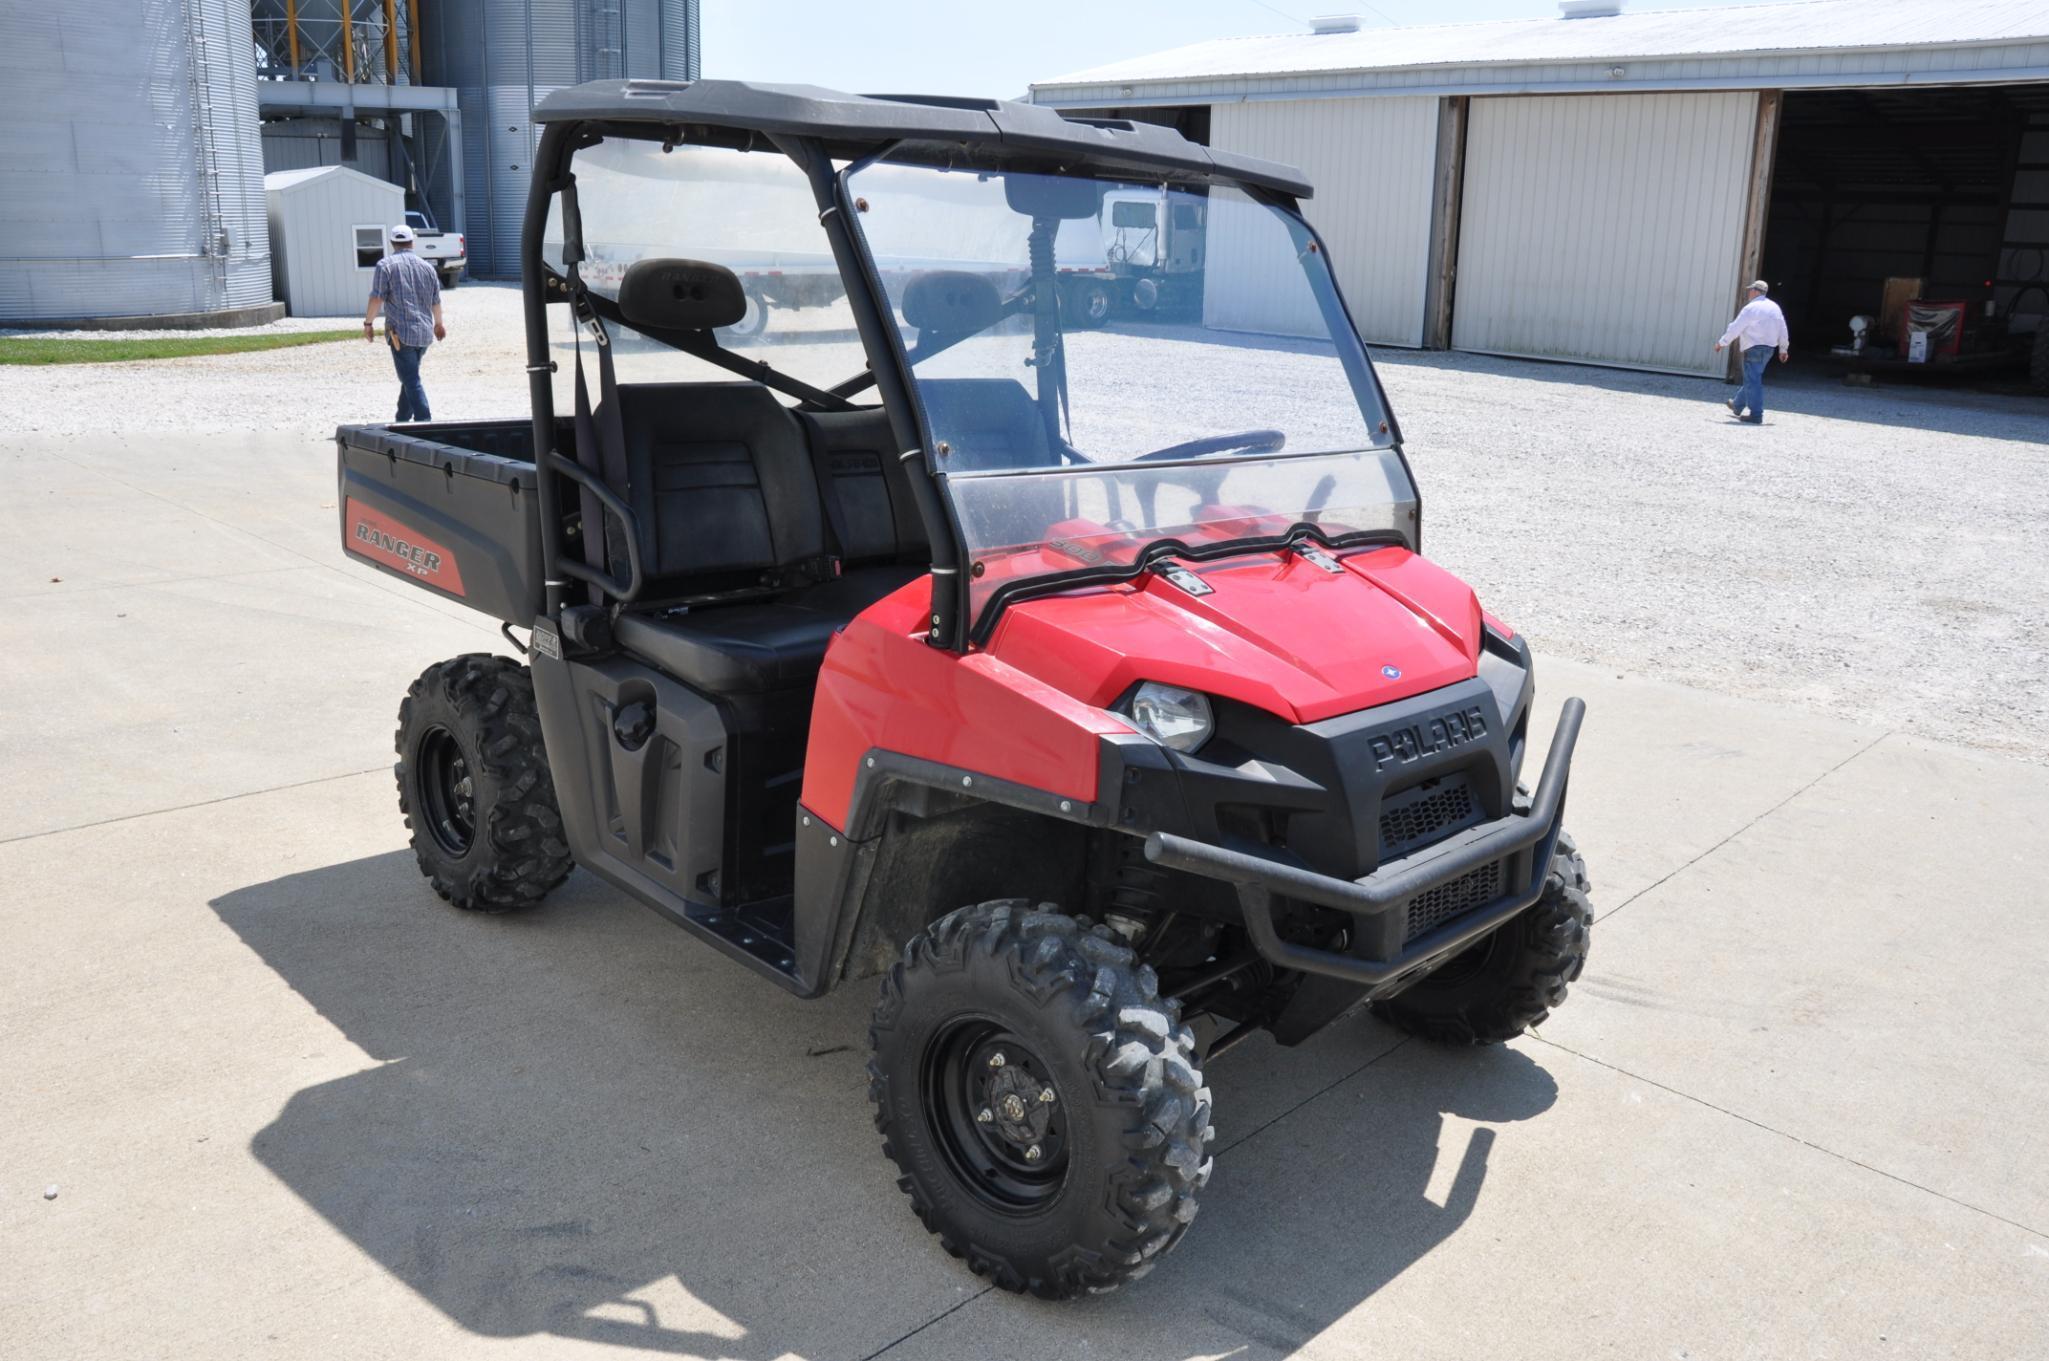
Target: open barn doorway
1902, 211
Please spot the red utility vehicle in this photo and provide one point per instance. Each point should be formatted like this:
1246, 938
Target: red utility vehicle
1085, 685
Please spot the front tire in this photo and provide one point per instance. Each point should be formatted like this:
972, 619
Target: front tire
1088, 303
474, 786
993, 1008
1515, 977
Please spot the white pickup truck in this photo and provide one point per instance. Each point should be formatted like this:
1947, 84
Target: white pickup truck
449, 251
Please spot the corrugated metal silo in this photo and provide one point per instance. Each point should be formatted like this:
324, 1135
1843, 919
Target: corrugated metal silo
133, 179
504, 56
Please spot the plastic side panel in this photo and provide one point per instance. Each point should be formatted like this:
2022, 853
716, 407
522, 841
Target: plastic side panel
476, 539
883, 687
651, 817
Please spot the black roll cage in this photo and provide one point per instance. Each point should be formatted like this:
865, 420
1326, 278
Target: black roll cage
583, 116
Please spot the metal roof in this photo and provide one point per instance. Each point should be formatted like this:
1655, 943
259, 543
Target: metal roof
292, 179
873, 121
1885, 41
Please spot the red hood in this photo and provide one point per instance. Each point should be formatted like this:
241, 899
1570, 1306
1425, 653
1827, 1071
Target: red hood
1276, 631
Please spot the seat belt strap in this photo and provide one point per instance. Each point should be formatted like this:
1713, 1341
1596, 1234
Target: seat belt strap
611, 436
591, 509
828, 492
600, 433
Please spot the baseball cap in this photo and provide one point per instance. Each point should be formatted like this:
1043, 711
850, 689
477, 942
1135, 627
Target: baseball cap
401, 233
1758, 284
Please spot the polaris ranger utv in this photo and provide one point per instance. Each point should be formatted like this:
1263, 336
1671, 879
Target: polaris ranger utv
1086, 686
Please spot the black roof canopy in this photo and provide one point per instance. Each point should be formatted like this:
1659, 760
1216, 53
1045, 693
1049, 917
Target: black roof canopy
869, 121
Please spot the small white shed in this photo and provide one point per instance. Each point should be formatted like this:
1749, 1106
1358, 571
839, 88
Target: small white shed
328, 228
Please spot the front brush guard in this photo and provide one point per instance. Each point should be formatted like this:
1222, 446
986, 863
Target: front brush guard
1381, 899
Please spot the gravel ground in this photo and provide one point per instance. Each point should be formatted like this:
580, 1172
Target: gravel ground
1877, 553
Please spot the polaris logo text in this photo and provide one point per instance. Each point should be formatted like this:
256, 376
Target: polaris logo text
423, 561
1441, 732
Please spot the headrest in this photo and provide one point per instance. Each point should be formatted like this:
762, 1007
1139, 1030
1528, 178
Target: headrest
951, 302
680, 295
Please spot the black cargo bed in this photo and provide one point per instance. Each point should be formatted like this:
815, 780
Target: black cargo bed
448, 506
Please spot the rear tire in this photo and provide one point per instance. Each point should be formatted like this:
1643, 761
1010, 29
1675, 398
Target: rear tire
753, 321
2038, 365
992, 1007
1515, 977
474, 786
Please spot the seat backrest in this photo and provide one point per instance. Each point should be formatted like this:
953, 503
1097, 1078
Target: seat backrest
989, 423
720, 480
855, 454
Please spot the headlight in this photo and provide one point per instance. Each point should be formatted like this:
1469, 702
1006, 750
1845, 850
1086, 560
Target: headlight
1171, 716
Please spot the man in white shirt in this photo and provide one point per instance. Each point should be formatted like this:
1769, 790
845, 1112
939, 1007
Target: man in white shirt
1758, 329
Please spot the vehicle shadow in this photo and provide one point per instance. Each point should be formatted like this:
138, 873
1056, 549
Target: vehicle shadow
1311, 1216
577, 1123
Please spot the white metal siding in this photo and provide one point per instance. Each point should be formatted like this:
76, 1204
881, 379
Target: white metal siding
314, 221
1843, 43
1373, 162
1604, 228
130, 171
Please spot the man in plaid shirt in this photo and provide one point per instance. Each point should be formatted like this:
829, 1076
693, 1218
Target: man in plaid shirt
408, 290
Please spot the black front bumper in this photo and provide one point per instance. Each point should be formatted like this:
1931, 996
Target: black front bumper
1380, 900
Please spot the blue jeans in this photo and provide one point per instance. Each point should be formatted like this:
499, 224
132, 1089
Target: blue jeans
1749, 397
412, 398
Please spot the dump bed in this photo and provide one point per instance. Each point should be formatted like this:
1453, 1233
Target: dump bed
447, 506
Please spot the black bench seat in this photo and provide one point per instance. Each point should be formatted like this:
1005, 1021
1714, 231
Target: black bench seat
729, 486
756, 647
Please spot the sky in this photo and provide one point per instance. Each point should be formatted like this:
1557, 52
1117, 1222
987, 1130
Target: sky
999, 47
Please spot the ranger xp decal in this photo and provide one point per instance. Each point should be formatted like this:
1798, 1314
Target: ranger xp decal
385, 541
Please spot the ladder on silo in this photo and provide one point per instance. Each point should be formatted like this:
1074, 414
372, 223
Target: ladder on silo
213, 224
606, 40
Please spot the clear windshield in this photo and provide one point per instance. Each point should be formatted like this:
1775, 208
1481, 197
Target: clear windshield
1194, 379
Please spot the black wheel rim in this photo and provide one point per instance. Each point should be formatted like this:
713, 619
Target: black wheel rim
996, 1114
447, 791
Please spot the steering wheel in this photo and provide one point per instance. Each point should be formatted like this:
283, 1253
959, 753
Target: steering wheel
1256, 441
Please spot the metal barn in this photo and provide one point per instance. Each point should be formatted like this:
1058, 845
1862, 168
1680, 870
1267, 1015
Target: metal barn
328, 227
1597, 187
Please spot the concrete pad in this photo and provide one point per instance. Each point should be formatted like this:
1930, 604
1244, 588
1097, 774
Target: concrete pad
1664, 773
1524, 1202
1862, 969
153, 696
275, 486
264, 1064
388, 1119
78, 530
295, 1105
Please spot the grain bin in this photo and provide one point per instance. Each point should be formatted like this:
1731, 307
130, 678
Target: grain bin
505, 56
133, 182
